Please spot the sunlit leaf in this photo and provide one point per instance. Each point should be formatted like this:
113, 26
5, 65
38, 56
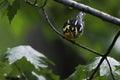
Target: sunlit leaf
49, 74
39, 77
94, 64
104, 68
79, 74
12, 10
33, 56
117, 72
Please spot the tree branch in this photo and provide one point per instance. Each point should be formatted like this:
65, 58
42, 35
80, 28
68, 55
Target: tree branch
106, 54
94, 12
110, 69
90, 10
73, 42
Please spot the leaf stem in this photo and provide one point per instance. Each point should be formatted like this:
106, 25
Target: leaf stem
21, 72
110, 69
35, 3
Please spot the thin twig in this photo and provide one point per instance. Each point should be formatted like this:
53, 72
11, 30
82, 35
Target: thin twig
32, 4
113, 43
56, 31
106, 54
110, 68
35, 3
90, 10
21, 72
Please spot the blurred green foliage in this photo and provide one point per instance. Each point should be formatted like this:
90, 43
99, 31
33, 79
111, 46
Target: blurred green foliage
18, 22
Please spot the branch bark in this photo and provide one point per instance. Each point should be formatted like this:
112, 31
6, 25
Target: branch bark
90, 10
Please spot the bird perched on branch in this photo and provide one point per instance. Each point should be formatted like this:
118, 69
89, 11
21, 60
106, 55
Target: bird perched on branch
73, 28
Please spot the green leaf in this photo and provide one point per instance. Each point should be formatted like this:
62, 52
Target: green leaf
104, 68
4, 70
32, 56
39, 77
93, 65
12, 9
2, 3
117, 74
48, 74
38, 3
79, 74
11, 1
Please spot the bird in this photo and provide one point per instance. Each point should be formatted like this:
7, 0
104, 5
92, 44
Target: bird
74, 27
